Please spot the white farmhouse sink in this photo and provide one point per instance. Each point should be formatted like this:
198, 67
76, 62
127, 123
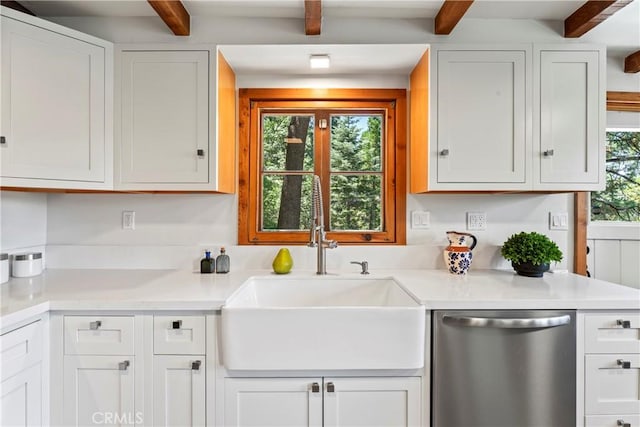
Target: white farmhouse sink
322, 323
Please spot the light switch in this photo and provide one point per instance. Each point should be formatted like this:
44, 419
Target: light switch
420, 219
558, 221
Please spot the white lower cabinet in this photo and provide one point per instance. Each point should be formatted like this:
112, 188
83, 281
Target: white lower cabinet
179, 391
612, 421
288, 402
21, 377
99, 390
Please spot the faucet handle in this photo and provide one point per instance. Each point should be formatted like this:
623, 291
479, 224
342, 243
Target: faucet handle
364, 265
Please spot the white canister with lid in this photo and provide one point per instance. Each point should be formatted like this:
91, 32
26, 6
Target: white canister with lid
27, 265
4, 268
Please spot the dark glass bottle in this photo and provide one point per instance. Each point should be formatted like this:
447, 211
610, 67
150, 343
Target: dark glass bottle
222, 262
207, 264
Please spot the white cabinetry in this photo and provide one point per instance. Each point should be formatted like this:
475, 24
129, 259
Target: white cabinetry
569, 118
179, 371
612, 369
378, 401
164, 136
21, 387
57, 103
511, 117
99, 371
481, 107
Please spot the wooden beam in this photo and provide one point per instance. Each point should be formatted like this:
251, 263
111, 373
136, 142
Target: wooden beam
590, 14
312, 17
623, 101
580, 215
16, 6
450, 14
174, 15
632, 63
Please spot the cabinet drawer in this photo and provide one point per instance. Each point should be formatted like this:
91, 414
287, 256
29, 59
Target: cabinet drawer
612, 333
178, 334
20, 349
610, 388
99, 335
611, 420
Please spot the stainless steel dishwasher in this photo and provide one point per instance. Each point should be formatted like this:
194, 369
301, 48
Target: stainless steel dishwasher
504, 368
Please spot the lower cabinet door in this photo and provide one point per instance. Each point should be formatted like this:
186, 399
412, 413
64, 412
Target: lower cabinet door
392, 402
273, 402
99, 390
611, 420
21, 398
612, 384
179, 391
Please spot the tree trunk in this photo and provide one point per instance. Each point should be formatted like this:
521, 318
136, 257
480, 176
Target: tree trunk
290, 198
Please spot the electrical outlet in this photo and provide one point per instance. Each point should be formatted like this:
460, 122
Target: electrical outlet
420, 219
476, 221
128, 220
558, 221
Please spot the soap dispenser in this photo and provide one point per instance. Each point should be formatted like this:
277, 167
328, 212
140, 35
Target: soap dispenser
222, 262
207, 264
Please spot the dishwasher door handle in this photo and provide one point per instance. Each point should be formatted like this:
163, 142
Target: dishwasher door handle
507, 323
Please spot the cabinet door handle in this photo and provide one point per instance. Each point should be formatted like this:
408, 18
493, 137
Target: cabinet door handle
624, 323
621, 423
176, 324
331, 388
444, 152
624, 364
315, 388
195, 365
200, 152
123, 365
95, 325
548, 153
3, 140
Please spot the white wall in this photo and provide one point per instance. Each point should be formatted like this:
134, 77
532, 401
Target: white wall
23, 221
84, 230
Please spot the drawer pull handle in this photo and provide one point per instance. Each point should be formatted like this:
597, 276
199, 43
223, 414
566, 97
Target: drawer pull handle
200, 152
625, 364
548, 153
195, 366
95, 325
444, 152
624, 323
123, 365
331, 388
621, 423
176, 324
315, 388
3, 140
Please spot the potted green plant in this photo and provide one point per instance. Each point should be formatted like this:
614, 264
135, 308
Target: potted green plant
530, 253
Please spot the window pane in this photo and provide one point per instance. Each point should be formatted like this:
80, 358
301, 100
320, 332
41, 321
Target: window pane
287, 142
286, 202
356, 142
356, 203
620, 201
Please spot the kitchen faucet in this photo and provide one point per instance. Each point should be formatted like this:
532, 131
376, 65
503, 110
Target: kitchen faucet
317, 234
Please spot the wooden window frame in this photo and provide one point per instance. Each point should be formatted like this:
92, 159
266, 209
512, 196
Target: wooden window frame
394, 165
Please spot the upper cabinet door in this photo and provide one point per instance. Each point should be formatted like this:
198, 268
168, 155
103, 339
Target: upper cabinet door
571, 128
54, 116
164, 137
481, 108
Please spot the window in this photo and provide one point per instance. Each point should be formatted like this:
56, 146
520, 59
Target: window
620, 201
352, 139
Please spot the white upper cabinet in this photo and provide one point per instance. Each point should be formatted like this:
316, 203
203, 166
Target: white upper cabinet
509, 118
164, 135
570, 107
480, 111
56, 106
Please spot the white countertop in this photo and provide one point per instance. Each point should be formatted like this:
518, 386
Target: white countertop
136, 290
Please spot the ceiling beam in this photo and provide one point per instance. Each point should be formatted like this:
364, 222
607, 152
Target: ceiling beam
312, 17
590, 14
450, 14
16, 6
632, 63
174, 15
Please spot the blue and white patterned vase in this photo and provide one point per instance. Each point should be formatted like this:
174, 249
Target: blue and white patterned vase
458, 255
